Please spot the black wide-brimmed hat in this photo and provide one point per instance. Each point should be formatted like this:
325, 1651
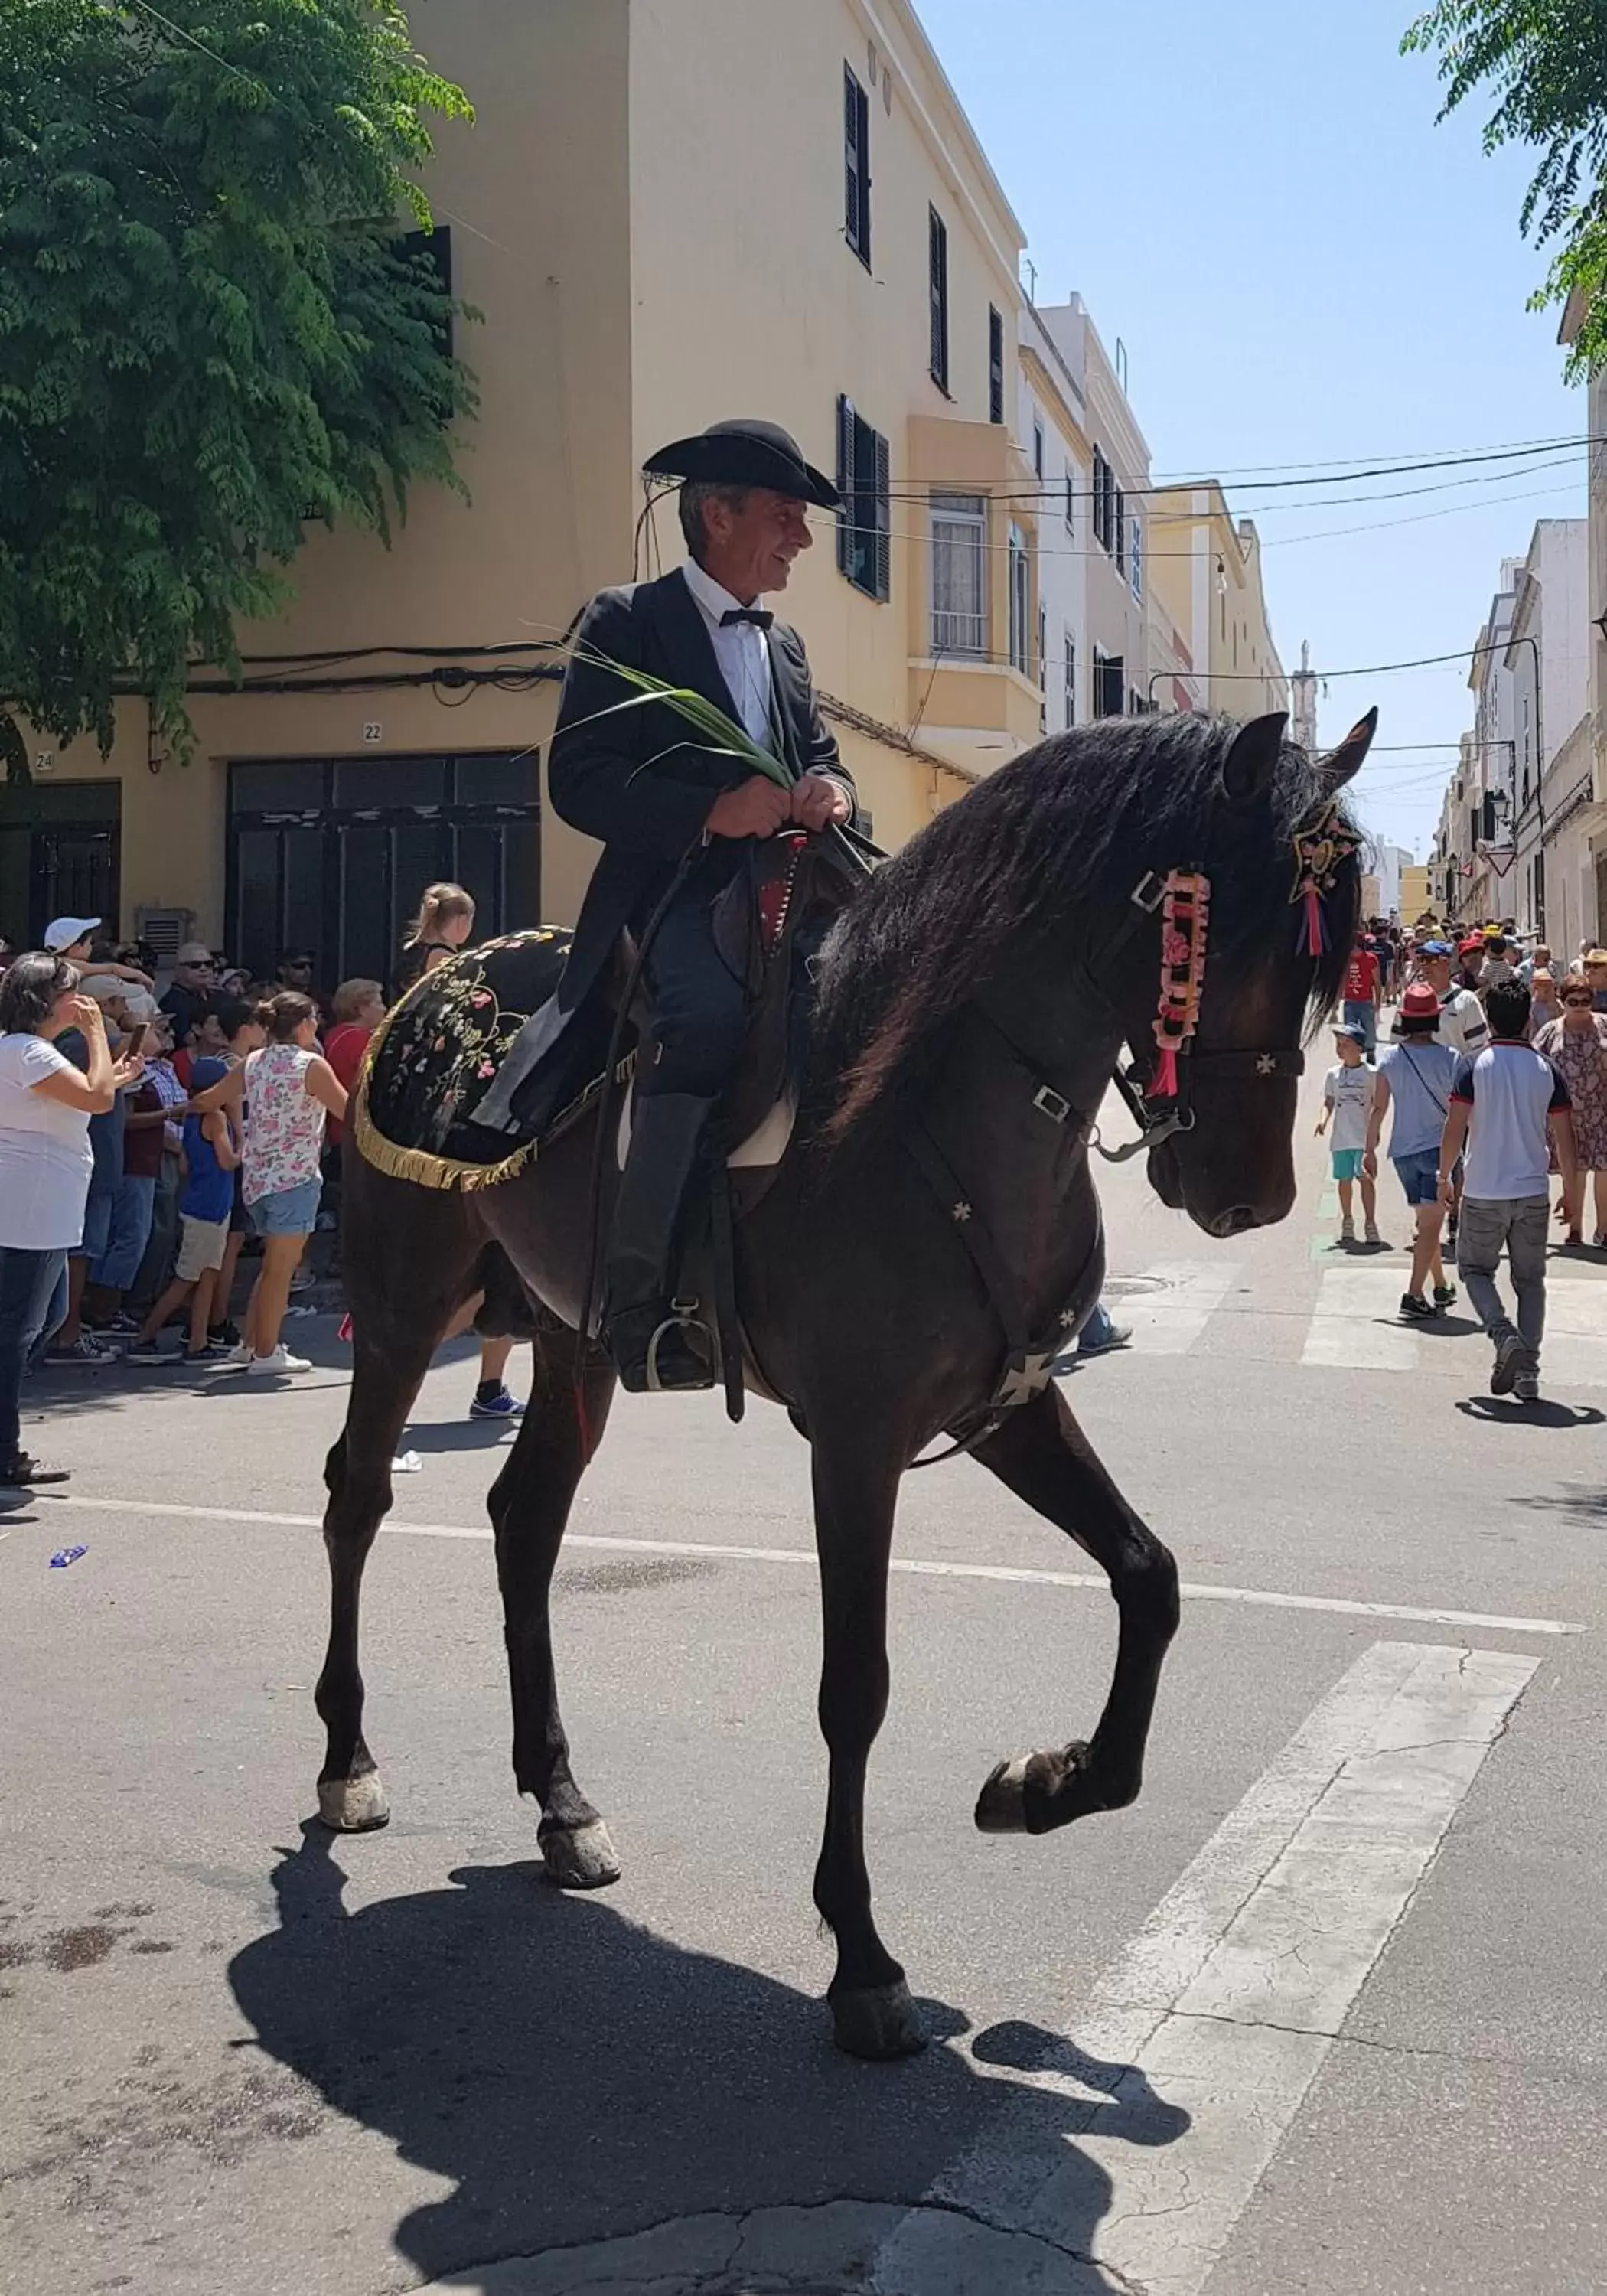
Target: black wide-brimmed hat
746, 452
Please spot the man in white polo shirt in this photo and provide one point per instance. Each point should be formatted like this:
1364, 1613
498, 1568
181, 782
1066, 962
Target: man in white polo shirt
1503, 1101
1462, 1025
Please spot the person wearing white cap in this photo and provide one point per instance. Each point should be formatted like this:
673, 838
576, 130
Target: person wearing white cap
68, 937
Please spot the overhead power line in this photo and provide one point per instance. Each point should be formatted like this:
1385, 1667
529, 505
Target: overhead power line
1565, 448
828, 519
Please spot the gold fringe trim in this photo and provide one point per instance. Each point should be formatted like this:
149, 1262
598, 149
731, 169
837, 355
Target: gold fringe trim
418, 1164
430, 1171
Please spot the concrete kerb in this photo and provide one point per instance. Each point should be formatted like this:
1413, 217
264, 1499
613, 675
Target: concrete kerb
839, 2247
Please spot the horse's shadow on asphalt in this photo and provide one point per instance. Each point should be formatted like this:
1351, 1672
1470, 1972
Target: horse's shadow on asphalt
577, 2077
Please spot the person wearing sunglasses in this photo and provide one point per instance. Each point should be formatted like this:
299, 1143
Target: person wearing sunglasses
1576, 1045
193, 992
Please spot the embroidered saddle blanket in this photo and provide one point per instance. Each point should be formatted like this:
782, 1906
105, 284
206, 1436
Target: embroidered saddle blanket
434, 1055
431, 1059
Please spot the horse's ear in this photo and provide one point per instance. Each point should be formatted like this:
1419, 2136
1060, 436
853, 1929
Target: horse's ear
1341, 764
1249, 767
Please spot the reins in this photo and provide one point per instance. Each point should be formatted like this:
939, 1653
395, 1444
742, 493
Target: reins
1161, 1101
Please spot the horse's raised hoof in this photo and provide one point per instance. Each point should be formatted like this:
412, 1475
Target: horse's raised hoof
580, 1856
880, 2022
353, 1805
1002, 1804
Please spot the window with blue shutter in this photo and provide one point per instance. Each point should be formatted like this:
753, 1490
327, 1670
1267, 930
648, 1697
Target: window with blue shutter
856, 165
865, 522
846, 420
937, 281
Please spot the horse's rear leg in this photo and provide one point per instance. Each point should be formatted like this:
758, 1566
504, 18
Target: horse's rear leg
1044, 1457
384, 1382
854, 1495
529, 1504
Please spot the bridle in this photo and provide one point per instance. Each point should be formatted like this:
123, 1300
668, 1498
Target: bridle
1159, 1097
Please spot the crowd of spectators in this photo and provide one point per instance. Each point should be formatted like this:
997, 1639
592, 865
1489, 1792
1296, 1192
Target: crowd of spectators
155, 1126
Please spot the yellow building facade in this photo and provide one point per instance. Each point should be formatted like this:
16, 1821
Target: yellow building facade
653, 245
1206, 568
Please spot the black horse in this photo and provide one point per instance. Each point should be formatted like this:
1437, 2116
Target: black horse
932, 1239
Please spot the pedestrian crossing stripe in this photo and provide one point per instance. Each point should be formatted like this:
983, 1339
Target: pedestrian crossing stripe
1354, 1323
1167, 1321
1356, 1326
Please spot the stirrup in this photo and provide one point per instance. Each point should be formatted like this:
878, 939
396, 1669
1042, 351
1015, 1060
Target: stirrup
683, 1317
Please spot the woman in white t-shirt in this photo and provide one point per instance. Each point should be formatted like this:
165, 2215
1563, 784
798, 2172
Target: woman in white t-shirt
46, 1105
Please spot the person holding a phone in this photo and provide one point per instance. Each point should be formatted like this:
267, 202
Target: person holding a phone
47, 1102
114, 1274
107, 1214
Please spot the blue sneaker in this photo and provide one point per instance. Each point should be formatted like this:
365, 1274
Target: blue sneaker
494, 1403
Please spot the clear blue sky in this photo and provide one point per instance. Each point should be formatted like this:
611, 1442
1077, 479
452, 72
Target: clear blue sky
1256, 199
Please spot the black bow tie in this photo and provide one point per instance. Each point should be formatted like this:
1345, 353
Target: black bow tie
758, 616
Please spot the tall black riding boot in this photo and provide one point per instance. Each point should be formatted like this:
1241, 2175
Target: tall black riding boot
656, 1341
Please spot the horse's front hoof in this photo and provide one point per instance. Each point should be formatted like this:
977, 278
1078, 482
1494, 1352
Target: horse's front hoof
353, 1805
580, 1856
880, 2022
1002, 1804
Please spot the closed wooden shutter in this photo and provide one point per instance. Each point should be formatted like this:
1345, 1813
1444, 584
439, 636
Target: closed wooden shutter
857, 166
936, 267
846, 515
883, 544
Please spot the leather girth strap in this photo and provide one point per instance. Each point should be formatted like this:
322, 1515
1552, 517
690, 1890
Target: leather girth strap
1027, 1356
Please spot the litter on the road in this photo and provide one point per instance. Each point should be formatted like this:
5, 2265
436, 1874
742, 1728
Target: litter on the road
63, 1555
407, 1463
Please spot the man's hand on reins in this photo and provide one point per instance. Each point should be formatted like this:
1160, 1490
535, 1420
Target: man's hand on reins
817, 802
756, 808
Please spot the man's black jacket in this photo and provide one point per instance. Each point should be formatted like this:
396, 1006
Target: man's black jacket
635, 781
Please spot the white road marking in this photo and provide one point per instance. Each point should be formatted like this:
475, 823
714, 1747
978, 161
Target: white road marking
1354, 1327
1168, 1322
1353, 1322
1225, 2006
1575, 1351
1335, 1605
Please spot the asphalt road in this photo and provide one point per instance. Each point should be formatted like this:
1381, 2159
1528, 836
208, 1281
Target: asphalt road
242, 2056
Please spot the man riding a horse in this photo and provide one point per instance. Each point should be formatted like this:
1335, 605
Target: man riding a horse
679, 823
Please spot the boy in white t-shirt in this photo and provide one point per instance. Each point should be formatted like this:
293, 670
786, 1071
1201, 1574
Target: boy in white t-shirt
1347, 1104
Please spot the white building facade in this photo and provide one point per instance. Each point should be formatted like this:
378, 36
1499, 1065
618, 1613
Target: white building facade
1547, 661
1079, 432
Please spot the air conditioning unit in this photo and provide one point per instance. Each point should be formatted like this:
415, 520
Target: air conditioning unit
167, 931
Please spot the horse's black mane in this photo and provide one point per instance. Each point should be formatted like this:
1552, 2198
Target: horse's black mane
1048, 849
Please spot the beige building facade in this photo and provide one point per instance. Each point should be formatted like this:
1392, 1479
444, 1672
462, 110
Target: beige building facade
1588, 838
1206, 566
862, 290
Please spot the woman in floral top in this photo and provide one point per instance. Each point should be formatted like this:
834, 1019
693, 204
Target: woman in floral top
290, 1091
1577, 1046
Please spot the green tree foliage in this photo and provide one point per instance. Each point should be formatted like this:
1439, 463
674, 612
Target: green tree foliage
1546, 62
210, 330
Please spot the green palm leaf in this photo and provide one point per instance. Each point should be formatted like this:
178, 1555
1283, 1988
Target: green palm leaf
720, 735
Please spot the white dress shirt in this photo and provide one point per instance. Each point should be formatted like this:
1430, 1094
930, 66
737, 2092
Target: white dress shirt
742, 650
